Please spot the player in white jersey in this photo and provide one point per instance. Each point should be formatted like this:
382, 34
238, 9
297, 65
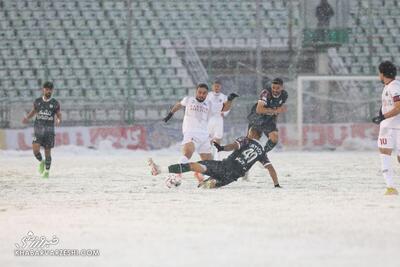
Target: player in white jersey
216, 122
389, 122
195, 122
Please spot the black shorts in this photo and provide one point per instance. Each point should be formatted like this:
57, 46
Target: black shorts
45, 139
265, 128
220, 171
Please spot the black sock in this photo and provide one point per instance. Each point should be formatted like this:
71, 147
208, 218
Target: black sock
269, 145
48, 162
179, 168
38, 156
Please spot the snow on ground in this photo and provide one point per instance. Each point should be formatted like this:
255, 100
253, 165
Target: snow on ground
331, 211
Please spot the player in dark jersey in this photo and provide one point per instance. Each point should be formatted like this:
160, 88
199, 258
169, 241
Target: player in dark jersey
47, 111
247, 151
264, 114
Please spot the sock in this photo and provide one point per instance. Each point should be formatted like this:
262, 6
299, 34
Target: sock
179, 168
38, 156
387, 170
269, 145
48, 162
183, 159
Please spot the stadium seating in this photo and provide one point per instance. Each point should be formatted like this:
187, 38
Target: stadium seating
384, 34
82, 45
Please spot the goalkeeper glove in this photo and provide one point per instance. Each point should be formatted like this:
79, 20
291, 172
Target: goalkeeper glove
232, 96
218, 146
379, 118
168, 117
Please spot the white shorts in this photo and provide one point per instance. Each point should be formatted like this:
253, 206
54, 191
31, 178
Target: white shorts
389, 138
201, 142
216, 127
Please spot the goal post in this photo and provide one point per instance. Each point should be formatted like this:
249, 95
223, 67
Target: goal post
354, 84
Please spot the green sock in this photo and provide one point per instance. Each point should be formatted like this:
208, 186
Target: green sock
179, 168
269, 145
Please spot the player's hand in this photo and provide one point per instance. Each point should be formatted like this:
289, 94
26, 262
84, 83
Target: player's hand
168, 117
25, 120
232, 96
58, 122
378, 119
218, 146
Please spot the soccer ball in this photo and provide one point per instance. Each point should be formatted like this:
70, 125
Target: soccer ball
173, 180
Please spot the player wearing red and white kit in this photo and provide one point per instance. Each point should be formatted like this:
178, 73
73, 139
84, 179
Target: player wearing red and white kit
389, 122
216, 122
195, 122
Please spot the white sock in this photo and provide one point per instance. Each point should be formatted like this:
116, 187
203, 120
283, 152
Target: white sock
387, 171
183, 159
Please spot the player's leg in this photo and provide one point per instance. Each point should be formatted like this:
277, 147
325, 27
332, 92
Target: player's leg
188, 147
38, 155
217, 134
273, 137
178, 169
48, 145
47, 154
204, 149
385, 144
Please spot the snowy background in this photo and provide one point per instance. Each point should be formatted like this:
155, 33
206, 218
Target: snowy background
331, 211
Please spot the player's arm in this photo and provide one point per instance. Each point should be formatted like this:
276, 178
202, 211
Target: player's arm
29, 115
393, 112
58, 117
228, 103
262, 109
174, 109
273, 174
229, 147
271, 170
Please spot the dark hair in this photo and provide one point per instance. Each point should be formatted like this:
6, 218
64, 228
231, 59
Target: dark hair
277, 81
48, 85
388, 69
203, 85
218, 81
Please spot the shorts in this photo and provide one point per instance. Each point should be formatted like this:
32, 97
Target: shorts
220, 171
265, 128
45, 140
389, 138
201, 142
216, 127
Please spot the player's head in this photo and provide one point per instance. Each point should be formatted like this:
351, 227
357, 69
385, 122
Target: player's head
48, 89
254, 133
216, 86
201, 92
276, 87
387, 70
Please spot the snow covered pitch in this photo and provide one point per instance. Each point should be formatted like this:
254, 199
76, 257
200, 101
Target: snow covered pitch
331, 211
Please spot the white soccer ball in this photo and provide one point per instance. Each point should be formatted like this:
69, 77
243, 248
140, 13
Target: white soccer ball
173, 180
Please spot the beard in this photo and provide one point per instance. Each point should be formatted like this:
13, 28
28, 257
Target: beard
200, 100
48, 95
